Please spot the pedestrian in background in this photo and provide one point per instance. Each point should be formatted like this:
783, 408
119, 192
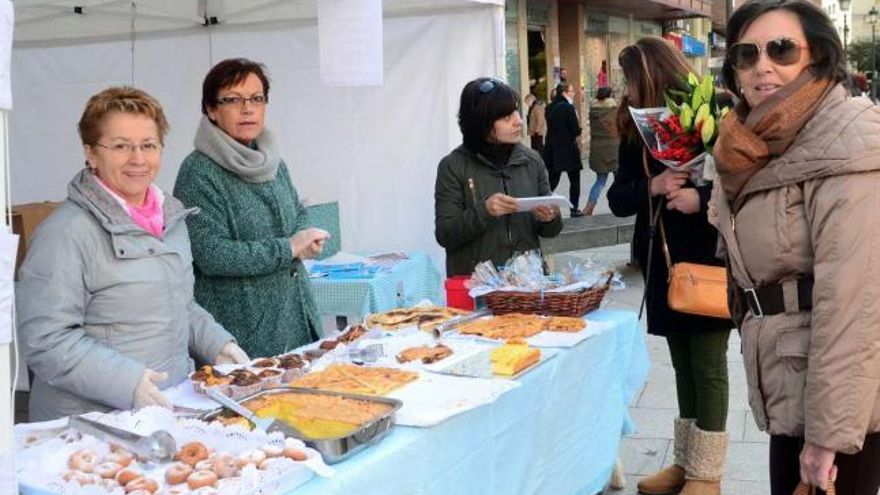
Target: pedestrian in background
603, 144
536, 124
799, 169
561, 149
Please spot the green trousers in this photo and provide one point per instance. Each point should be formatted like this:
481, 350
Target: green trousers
700, 362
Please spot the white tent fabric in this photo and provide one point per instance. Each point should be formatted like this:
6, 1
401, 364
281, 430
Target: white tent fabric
375, 150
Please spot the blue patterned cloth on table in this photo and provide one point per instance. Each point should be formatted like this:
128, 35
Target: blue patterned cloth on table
344, 271
408, 282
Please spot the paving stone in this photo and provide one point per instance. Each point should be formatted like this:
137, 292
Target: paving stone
740, 487
747, 462
751, 433
642, 456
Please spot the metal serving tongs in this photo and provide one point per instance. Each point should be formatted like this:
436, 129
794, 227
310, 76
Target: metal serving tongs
268, 425
451, 323
158, 446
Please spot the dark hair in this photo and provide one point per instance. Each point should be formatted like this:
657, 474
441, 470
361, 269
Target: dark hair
483, 101
602, 93
651, 66
230, 72
826, 49
562, 88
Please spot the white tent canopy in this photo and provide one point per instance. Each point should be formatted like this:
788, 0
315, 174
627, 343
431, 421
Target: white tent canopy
373, 149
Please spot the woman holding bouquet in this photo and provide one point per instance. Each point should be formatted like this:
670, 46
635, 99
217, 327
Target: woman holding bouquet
697, 344
799, 168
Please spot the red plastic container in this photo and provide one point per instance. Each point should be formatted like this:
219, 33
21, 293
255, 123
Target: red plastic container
457, 294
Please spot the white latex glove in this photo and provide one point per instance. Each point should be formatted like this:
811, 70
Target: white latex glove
308, 243
231, 353
147, 392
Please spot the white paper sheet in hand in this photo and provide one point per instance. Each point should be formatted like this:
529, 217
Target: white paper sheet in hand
527, 204
434, 398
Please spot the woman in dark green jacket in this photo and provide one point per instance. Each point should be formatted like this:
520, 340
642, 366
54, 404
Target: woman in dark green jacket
252, 231
475, 207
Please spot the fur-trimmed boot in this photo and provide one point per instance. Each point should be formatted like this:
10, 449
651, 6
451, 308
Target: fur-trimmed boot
671, 479
705, 463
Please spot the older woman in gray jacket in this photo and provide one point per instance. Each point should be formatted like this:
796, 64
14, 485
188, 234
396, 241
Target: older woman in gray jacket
105, 298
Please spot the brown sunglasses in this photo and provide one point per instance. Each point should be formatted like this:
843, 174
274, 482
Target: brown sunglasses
781, 51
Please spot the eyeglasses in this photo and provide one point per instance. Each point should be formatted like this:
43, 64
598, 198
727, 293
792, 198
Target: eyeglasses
125, 148
781, 51
256, 100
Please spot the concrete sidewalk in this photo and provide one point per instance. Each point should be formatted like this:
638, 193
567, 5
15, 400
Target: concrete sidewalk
654, 408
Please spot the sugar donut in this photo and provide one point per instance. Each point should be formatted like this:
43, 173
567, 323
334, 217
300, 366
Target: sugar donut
225, 465
192, 452
127, 475
251, 457
204, 465
144, 483
272, 450
200, 479
140, 492
121, 457
176, 490
82, 478
107, 470
177, 473
83, 460
295, 454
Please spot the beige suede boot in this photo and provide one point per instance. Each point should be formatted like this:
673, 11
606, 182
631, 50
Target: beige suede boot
705, 463
671, 479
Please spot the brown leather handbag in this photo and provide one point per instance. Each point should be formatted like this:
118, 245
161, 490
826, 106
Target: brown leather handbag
804, 489
694, 288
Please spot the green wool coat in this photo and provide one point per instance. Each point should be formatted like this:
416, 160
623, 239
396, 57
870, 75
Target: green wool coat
246, 275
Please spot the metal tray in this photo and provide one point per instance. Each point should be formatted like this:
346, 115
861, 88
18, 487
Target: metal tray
335, 449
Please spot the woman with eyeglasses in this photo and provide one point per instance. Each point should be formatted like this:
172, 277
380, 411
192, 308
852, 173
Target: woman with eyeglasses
797, 201
105, 298
475, 196
646, 188
252, 233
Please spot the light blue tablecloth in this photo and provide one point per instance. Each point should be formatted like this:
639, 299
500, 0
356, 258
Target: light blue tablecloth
407, 283
557, 434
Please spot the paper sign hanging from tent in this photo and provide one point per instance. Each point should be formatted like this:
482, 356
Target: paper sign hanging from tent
350, 42
8, 251
6, 24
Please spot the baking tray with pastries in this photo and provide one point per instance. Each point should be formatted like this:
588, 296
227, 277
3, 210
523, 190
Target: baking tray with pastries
424, 317
336, 424
238, 381
519, 325
363, 380
209, 459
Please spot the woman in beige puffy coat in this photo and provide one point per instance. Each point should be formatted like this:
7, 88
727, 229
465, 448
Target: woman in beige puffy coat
799, 167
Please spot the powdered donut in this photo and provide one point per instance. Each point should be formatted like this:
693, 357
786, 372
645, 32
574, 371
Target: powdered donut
144, 483
177, 473
201, 479
107, 470
83, 460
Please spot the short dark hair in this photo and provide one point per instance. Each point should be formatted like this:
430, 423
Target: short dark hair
602, 93
826, 49
483, 101
227, 73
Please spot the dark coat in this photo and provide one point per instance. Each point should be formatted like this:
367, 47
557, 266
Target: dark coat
690, 238
560, 148
461, 223
603, 141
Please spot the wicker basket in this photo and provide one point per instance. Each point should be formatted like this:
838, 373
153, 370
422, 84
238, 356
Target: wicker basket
575, 303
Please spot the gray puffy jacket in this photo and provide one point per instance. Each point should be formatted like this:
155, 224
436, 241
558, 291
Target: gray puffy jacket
99, 300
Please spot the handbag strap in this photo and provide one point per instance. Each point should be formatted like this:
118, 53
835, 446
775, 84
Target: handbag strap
804, 489
656, 218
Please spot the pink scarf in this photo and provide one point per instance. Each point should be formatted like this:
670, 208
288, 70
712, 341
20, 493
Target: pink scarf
149, 216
